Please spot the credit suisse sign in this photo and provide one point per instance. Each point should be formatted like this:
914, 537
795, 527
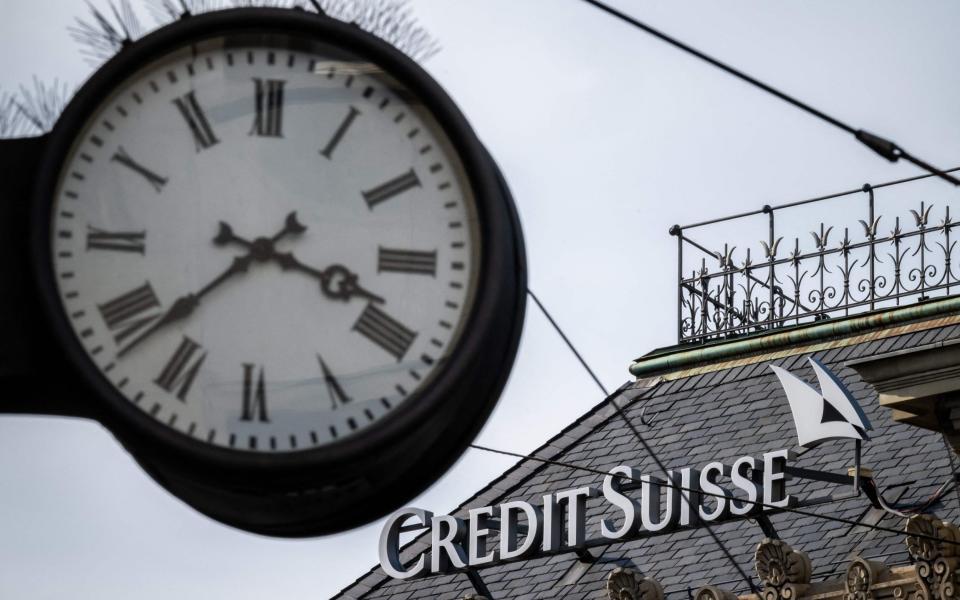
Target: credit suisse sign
557, 522
688, 497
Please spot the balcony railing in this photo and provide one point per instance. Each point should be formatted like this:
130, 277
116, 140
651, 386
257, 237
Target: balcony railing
859, 261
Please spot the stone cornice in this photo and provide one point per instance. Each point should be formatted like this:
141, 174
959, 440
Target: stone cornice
785, 572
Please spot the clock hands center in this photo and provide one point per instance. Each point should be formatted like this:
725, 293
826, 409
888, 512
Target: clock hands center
337, 282
184, 306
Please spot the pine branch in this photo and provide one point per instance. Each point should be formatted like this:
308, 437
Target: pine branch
268, 3
12, 122
167, 11
107, 32
41, 106
390, 20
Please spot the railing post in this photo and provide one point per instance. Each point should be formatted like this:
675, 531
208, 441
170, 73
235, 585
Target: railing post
872, 234
772, 251
949, 249
678, 232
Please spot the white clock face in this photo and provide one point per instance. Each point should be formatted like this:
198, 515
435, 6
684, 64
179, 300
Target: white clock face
266, 249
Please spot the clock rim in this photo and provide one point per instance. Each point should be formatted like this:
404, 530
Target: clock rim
499, 235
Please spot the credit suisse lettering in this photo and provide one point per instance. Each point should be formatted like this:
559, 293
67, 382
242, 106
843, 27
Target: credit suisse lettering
558, 521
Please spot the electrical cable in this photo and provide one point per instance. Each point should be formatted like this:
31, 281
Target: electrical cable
570, 345
885, 148
636, 433
669, 483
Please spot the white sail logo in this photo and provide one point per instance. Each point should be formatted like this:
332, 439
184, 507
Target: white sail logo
828, 414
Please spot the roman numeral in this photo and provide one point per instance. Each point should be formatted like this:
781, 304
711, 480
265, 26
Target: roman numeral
338, 134
181, 370
121, 241
394, 187
407, 261
130, 312
268, 97
254, 396
384, 331
338, 397
203, 136
152, 178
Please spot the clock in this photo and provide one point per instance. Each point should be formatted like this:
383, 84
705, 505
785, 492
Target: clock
277, 258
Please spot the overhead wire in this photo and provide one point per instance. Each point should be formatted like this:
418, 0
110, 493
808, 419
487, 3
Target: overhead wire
668, 481
556, 326
885, 148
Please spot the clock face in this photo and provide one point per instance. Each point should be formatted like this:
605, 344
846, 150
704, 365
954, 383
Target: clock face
268, 247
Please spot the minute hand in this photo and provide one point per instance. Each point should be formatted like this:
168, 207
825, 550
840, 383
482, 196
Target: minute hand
184, 306
336, 281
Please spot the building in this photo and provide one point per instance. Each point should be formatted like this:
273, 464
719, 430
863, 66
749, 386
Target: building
888, 328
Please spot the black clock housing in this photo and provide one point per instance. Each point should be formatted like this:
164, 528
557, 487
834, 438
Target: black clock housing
360, 477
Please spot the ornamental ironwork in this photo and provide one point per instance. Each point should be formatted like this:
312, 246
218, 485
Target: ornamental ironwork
870, 262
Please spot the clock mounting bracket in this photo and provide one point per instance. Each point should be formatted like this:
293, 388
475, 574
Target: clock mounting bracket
34, 375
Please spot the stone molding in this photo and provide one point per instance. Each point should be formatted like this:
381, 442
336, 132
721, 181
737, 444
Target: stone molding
921, 386
935, 562
711, 592
785, 573
627, 584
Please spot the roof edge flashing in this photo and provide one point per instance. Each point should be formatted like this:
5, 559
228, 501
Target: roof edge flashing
680, 357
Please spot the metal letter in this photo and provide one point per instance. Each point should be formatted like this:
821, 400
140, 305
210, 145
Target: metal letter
650, 504
688, 498
552, 524
745, 483
719, 495
611, 491
390, 543
774, 479
477, 540
446, 544
509, 526
576, 505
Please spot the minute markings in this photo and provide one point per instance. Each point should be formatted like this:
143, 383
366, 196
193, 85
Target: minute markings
401, 188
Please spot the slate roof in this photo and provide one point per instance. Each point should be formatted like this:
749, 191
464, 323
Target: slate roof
719, 415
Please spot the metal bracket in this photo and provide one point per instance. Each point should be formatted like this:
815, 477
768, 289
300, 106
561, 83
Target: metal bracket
767, 527
478, 585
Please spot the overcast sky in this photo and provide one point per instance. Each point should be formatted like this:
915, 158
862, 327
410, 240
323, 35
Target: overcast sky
607, 137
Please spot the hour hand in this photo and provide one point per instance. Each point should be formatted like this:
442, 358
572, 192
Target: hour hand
336, 281
340, 283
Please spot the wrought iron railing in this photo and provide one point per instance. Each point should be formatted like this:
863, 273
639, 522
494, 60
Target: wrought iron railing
872, 262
